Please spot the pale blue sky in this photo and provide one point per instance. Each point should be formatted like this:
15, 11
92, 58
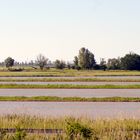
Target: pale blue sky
59, 28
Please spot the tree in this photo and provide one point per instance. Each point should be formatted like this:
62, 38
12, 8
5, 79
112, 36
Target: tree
41, 61
9, 62
114, 64
131, 61
59, 64
68, 65
103, 64
86, 59
76, 66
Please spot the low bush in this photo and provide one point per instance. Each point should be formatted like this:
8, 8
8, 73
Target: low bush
74, 129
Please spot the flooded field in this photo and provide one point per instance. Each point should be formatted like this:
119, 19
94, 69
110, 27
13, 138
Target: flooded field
71, 92
76, 109
61, 109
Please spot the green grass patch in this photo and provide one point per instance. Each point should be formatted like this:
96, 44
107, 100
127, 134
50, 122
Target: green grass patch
69, 99
66, 86
68, 80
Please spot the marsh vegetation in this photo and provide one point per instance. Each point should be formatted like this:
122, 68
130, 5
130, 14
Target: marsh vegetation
74, 128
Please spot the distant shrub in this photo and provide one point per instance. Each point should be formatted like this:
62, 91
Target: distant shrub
59, 64
15, 70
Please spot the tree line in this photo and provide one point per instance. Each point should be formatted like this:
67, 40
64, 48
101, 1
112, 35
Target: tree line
84, 60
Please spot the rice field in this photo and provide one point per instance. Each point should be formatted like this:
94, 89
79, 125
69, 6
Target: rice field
79, 128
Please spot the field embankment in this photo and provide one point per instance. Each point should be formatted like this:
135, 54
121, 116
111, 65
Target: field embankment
66, 86
68, 99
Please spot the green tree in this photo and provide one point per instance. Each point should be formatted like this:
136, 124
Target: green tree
86, 59
114, 64
103, 64
59, 64
41, 61
76, 66
131, 61
9, 62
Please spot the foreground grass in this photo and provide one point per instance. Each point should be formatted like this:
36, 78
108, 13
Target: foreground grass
67, 73
70, 99
66, 86
102, 129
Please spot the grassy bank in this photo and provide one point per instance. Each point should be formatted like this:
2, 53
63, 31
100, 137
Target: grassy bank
67, 73
99, 129
66, 86
70, 99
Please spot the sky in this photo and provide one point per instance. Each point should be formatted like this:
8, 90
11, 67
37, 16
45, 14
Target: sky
59, 28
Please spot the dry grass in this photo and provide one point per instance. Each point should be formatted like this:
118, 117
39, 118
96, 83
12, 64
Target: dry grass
66, 73
111, 129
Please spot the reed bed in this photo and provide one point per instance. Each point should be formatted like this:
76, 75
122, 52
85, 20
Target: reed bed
101, 129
